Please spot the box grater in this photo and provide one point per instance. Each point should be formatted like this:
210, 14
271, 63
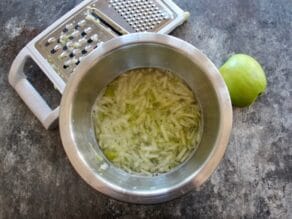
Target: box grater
60, 48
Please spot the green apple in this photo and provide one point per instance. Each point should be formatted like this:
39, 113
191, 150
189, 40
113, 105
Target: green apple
245, 79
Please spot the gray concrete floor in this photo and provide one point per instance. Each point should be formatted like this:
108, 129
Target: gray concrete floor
254, 180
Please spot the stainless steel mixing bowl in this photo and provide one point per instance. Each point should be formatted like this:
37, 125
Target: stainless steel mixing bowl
104, 65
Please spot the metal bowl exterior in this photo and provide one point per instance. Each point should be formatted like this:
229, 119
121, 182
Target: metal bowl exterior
105, 64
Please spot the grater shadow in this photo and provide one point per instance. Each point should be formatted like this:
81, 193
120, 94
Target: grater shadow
42, 84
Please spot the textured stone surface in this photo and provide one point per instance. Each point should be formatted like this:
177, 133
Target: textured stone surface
254, 180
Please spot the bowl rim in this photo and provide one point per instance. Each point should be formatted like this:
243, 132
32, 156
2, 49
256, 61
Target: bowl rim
159, 195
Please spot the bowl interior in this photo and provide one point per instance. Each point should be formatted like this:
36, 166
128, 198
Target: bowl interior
107, 69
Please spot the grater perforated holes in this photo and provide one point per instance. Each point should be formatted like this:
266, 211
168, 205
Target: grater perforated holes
66, 46
76, 40
136, 13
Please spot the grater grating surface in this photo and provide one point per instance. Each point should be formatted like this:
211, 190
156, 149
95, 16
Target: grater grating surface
65, 47
144, 15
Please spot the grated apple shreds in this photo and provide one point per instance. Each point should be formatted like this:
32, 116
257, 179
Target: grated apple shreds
147, 121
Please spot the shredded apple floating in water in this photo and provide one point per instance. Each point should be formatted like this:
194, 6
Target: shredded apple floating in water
147, 121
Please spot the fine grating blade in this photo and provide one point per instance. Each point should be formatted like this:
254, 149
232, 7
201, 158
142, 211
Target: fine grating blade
143, 15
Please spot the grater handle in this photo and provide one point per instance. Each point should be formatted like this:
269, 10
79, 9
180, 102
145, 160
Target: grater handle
29, 94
